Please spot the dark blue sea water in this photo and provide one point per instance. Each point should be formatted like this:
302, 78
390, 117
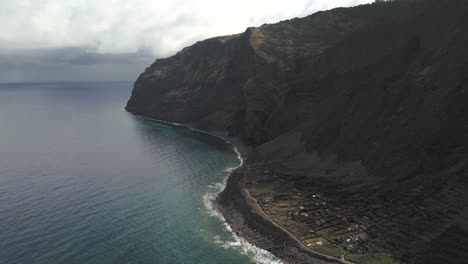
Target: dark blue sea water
83, 181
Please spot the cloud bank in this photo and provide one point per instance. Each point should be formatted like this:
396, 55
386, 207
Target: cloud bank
121, 32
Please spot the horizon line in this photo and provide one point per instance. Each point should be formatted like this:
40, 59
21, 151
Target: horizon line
68, 81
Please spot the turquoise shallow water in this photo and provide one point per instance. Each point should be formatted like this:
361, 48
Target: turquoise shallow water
83, 181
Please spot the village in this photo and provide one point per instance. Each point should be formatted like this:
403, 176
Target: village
321, 221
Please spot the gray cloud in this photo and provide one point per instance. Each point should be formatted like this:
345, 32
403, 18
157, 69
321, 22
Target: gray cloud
91, 38
72, 55
71, 63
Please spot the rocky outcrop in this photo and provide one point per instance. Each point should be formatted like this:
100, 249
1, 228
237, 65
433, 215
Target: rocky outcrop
369, 102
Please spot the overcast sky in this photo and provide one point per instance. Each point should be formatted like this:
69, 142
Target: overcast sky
79, 40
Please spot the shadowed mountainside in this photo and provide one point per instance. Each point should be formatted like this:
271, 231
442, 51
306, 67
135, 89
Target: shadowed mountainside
367, 106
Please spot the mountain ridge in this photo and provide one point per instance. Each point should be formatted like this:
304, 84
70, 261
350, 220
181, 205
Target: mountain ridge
364, 105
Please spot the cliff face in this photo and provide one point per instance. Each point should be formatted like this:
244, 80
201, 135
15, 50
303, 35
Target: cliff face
237, 83
368, 104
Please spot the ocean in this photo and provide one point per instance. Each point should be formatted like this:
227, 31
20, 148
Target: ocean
83, 181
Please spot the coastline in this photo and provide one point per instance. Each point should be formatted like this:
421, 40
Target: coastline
210, 199
257, 234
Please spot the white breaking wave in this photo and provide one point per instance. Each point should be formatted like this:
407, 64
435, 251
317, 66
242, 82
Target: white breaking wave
257, 254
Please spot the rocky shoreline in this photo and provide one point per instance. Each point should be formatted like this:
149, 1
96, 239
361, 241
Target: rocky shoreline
243, 214
246, 221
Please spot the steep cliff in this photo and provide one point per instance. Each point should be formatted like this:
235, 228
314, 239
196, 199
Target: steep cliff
367, 106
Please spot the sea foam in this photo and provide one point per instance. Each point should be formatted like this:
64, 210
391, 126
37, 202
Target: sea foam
257, 254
